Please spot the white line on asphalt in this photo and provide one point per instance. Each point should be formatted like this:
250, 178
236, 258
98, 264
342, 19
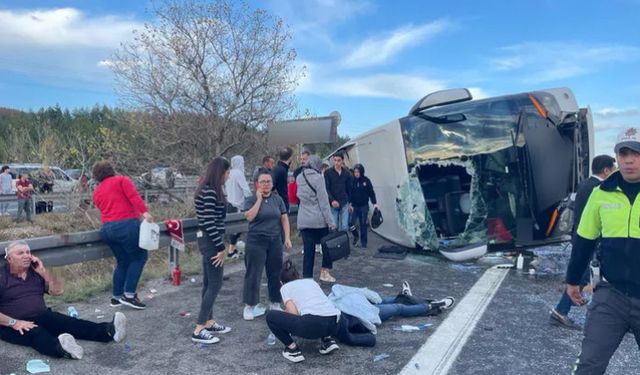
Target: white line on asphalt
441, 349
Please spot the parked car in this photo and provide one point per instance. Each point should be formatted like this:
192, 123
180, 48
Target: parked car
62, 183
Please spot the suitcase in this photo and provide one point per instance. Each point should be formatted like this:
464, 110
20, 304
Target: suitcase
336, 244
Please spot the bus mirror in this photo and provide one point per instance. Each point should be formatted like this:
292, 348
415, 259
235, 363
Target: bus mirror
440, 98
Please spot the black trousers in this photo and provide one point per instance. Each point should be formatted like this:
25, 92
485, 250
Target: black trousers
211, 281
311, 237
284, 324
262, 252
44, 338
610, 315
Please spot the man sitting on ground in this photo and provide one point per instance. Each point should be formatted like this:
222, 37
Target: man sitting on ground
26, 320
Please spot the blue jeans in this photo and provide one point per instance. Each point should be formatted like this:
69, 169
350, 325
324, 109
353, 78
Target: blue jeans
341, 216
389, 309
565, 303
122, 237
360, 214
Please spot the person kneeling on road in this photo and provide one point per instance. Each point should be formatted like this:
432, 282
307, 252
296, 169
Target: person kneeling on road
308, 314
26, 320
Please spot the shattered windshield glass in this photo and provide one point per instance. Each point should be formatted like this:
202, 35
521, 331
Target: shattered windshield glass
488, 126
464, 185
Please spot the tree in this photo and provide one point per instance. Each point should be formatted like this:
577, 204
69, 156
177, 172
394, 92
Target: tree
208, 72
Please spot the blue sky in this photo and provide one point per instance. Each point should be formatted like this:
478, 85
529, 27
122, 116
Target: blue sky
370, 60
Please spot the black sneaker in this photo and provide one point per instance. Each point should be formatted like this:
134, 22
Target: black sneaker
218, 328
444, 304
234, 255
294, 355
133, 302
115, 302
204, 337
328, 345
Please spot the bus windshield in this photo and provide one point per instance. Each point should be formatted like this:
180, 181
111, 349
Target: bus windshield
482, 127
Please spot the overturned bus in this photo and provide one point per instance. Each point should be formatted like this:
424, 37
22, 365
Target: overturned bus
458, 175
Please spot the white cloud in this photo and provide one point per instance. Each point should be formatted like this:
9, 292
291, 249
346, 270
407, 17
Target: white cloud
612, 112
313, 21
381, 49
538, 62
63, 27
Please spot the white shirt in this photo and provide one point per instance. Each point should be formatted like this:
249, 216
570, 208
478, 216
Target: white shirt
5, 183
308, 297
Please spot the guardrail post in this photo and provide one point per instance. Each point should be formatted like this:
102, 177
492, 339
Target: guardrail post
174, 259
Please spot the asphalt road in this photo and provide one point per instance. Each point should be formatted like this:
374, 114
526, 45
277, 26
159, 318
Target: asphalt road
512, 337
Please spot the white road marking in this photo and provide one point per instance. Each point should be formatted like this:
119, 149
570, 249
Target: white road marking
441, 349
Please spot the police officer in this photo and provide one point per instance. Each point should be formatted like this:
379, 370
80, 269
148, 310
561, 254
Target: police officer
601, 167
612, 215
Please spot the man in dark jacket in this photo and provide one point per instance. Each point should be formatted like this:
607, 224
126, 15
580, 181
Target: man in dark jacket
338, 180
361, 193
611, 220
601, 167
280, 174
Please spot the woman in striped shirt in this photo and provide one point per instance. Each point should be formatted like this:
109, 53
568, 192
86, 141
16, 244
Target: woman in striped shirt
211, 211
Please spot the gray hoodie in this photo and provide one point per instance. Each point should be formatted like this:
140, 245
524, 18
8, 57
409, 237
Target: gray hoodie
314, 210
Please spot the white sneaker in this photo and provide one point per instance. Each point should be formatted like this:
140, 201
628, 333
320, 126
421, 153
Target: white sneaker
259, 310
406, 289
120, 324
70, 346
247, 313
275, 306
318, 248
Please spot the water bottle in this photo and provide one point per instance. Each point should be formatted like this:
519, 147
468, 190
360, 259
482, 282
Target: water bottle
72, 312
271, 340
520, 262
587, 294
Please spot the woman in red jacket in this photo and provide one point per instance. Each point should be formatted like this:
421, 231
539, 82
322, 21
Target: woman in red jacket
121, 209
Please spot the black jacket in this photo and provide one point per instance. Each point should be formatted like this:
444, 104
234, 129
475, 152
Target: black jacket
338, 185
582, 195
361, 189
280, 173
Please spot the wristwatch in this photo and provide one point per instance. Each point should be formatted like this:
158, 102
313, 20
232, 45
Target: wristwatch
12, 322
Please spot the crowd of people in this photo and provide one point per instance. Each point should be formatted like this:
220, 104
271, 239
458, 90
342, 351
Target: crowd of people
297, 306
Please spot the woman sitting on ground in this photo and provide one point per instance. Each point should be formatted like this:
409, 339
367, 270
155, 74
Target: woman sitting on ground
308, 314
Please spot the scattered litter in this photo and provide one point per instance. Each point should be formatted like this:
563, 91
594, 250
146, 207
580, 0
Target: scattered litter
465, 267
532, 271
417, 365
36, 366
149, 296
271, 339
380, 357
412, 328
488, 328
184, 313
193, 279
153, 291
100, 316
127, 347
97, 311
388, 285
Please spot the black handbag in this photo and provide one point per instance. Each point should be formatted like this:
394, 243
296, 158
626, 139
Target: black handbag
336, 245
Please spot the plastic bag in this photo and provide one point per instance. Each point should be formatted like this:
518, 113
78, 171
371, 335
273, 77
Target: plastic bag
149, 236
376, 218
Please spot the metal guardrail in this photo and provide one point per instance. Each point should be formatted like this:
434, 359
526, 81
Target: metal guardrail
57, 197
72, 248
